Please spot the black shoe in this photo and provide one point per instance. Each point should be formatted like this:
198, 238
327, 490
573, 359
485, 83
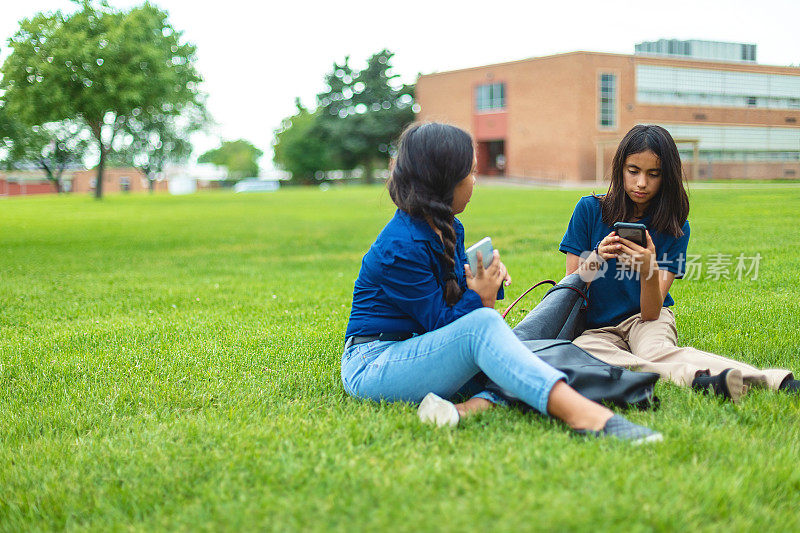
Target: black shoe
621, 428
728, 384
790, 385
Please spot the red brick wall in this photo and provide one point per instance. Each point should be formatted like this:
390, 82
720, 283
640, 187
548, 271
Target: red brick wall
82, 181
15, 189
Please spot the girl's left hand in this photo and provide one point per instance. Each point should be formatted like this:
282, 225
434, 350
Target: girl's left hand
641, 259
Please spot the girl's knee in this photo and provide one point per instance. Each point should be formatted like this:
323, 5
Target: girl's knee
485, 314
485, 318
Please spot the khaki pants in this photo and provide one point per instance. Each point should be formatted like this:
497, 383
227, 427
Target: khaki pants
652, 346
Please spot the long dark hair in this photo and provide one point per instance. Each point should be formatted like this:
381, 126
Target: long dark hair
432, 158
670, 207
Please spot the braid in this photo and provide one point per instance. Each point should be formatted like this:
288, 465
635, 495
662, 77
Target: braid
441, 215
431, 161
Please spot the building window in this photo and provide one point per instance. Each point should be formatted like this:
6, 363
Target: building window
740, 143
608, 101
490, 97
713, 88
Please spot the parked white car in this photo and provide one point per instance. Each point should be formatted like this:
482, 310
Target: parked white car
256, 185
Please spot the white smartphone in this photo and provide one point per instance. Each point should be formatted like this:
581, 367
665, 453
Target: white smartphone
484, 246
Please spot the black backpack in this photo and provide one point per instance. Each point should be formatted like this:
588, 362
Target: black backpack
548, 331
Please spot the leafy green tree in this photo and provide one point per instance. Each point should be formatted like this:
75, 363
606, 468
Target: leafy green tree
6, 125
363, 113
52, 148
98, 66
151, 141
300, 148
239, 157
8, 131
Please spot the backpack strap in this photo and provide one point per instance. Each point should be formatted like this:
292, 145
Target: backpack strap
550, 281
555, 287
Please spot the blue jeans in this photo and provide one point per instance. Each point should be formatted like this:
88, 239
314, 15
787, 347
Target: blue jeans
445, 360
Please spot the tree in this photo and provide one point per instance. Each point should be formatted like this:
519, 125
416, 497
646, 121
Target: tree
8, 130
363, 113
98, 66
239, 157
151, 141
300, 148
52, 147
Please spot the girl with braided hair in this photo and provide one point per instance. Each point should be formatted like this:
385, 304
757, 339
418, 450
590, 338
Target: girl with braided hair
423, 326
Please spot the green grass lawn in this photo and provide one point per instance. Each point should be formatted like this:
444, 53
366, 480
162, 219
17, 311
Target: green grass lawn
173, 363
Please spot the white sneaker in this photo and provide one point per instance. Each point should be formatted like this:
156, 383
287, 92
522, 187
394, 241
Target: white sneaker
438, 411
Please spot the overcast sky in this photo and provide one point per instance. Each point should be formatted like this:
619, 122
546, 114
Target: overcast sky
257, 57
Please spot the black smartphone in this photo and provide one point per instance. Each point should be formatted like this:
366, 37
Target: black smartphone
632, 231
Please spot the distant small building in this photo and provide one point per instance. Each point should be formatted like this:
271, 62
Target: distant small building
24, 182
125, 179
115, 180
188, 179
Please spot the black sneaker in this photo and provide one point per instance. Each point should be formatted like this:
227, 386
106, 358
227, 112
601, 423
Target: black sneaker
728, 384
790, 385
621, 428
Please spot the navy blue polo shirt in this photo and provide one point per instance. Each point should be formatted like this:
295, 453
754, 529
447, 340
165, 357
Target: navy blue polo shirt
399, 287
615, 295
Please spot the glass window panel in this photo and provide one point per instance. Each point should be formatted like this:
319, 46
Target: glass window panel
490, 96
730, 142
607, 100
718, 88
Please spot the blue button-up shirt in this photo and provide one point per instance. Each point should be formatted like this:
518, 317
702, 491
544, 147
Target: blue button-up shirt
615, 295
399, 287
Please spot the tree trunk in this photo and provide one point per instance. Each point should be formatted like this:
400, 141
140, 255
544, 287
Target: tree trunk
55, 181
368, 173
98, 190
58, 182
151, 184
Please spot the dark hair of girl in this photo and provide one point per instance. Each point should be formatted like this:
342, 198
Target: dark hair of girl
432, 158
670, 207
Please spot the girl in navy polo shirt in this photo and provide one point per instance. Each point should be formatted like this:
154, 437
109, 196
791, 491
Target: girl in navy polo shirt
422, 326
629, 319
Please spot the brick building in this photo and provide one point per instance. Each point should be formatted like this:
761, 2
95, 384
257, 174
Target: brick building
24, 182
125, 179
560, 117
115, 180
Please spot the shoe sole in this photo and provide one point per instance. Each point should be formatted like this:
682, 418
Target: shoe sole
656, 437
735, 384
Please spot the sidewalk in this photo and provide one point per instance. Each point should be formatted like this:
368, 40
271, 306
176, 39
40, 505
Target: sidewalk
534, 183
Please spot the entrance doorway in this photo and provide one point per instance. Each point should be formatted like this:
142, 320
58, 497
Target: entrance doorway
492, 158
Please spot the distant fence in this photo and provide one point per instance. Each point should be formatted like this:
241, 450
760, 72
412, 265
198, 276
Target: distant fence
12, 187
351, 175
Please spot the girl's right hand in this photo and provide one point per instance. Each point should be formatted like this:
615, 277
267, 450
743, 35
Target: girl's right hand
486, 281
610, 246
